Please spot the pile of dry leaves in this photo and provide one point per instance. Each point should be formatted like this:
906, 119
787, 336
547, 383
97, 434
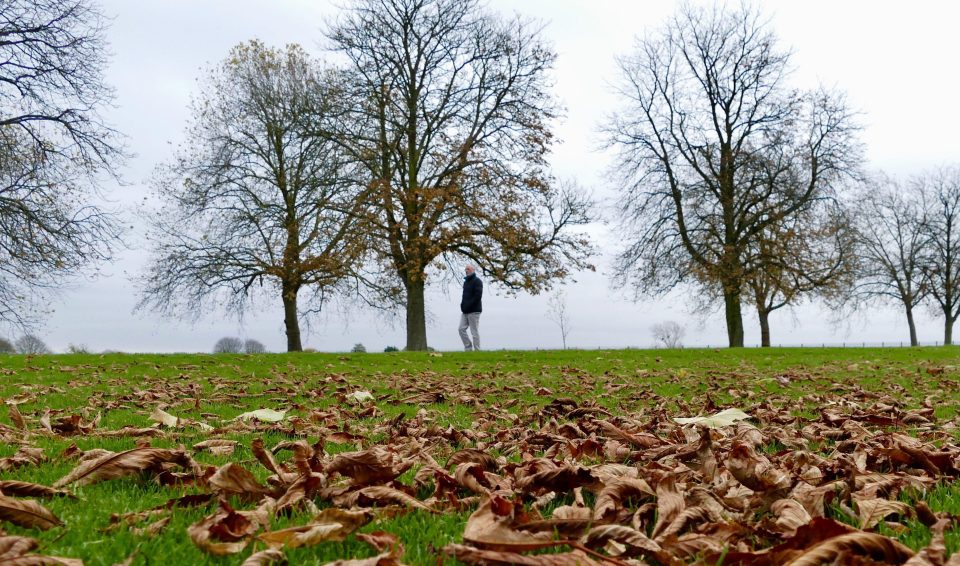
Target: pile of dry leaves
565, 483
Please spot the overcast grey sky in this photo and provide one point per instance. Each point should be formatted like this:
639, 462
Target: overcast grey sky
895, 60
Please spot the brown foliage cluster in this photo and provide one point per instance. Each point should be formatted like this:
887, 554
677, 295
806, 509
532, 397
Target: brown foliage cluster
594, 485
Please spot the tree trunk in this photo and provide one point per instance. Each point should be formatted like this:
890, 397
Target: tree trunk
913, 327
416, 316
290, 320
731, 300
948, 332
764, 327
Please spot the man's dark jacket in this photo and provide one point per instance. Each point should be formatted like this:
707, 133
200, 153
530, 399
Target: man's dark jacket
472, 293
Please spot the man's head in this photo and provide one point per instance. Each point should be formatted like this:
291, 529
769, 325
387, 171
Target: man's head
469, 269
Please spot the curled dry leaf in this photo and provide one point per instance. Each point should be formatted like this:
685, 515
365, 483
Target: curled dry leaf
790, 516
262, 415
216, 446
386, 559
379, 540
233, 479
479, 457
265, 558
27, 513
470, 475
470, 555
265, 457
300, 491
166, 419
561, 478
113, 466
492, 526
872, 545
641, 441
375, 465
26, 489
224, 532
612, 498
925, 515
131, 431
935, 553
754, 470
872, 511
25, 456
572, 512
328, 525
670, 503
15, 417
380, 496
726, 417
687, 519
13, 547
153, 529
360, 397
132, 518
633, 541
40, 560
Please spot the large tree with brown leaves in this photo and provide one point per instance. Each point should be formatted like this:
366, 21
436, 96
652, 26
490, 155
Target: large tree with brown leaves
451, 118
257, 194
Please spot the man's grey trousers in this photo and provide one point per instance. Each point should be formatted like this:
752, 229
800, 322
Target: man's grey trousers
471, 321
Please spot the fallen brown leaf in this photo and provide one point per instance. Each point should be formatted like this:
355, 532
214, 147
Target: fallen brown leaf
265, 558
329, 525
113, 466
27, 513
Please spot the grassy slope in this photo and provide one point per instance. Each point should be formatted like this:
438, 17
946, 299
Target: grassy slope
623, 381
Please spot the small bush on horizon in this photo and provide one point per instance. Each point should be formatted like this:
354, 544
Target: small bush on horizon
228, 345
30, 344
358, 348
251, 346
7, 347
669, 334
391, 349
78, 349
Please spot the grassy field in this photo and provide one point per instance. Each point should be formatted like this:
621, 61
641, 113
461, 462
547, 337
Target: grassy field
513, 405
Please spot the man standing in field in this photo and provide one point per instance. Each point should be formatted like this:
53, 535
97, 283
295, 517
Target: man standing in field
471, 307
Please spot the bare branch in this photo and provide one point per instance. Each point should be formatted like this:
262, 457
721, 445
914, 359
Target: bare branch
54, 148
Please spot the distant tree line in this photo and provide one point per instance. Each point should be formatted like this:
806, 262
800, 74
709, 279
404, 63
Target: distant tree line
26, 344
426, 144
234, 345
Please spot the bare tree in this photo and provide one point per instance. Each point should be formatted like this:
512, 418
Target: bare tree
451, 120
557, 312
30, 344
54, 148
228, 345
941, 267
807, 255
714, 149
893, 243
251, 346
669, 333
257, 194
